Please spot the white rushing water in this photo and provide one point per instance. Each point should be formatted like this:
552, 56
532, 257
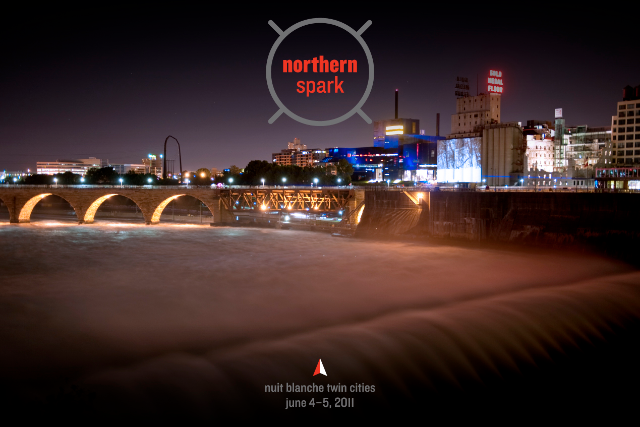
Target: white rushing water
119, 306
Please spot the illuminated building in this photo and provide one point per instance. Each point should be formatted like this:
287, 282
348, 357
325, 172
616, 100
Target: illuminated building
283, 158
130, 167
625, 144
400, 152
297, 154
543, 180
473, 113
369, 163
585, 147
152, 164
618, 178
296, 145
540, 153
480, 149
13, 176
419, 157
393, 127
566, 160
413, 160
78, 166
459, 160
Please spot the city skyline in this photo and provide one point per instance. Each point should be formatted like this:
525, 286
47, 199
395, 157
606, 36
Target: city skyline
488, 270
89, 90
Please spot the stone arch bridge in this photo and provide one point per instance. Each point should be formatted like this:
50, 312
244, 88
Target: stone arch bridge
86, 200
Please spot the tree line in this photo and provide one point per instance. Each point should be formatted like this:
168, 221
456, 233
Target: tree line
274, 174
96, 176
253, 174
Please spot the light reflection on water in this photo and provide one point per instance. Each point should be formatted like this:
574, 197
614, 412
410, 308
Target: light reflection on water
193, 310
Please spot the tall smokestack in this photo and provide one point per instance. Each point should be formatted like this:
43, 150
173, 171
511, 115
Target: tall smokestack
396, 103
438, 124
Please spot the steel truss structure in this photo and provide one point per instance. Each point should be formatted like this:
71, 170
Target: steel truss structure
286, 199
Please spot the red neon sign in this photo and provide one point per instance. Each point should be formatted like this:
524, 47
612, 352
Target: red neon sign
494, 82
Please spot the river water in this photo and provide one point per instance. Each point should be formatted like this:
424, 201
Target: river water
188, 319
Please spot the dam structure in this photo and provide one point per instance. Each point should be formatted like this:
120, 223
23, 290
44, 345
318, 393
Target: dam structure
606, 221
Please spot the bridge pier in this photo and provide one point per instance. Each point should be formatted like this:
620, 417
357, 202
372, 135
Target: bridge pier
221, 214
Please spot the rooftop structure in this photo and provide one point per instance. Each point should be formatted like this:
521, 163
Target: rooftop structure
393, 127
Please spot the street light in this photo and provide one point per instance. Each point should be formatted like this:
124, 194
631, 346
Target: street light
149, 180
230, 181
284, 180
339, 181
388, 181
315, 180
120, 182
55, 181
82, 179
262, 179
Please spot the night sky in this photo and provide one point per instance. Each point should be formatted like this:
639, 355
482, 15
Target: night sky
114, 82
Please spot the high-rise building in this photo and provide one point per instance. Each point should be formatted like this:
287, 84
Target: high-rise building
585, 147
297, 154
296, 145
153, 164
625, 126
540, 153
474, 112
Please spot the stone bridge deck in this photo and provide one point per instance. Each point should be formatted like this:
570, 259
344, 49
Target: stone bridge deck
86, 200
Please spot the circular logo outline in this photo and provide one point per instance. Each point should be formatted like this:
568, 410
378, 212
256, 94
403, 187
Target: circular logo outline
354, 110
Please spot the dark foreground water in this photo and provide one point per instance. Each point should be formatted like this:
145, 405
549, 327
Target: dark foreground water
190, 323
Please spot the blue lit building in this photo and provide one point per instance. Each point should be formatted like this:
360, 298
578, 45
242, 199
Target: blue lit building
403, 158
418, 157
369, 163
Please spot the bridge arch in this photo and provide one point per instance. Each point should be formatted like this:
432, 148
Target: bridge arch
89, 215
93, 208
155, 218
27, 208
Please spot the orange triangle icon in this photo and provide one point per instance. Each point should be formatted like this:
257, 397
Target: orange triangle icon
320, 369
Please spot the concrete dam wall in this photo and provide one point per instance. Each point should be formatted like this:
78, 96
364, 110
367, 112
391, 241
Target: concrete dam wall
388, 213
533, 218
556, 219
